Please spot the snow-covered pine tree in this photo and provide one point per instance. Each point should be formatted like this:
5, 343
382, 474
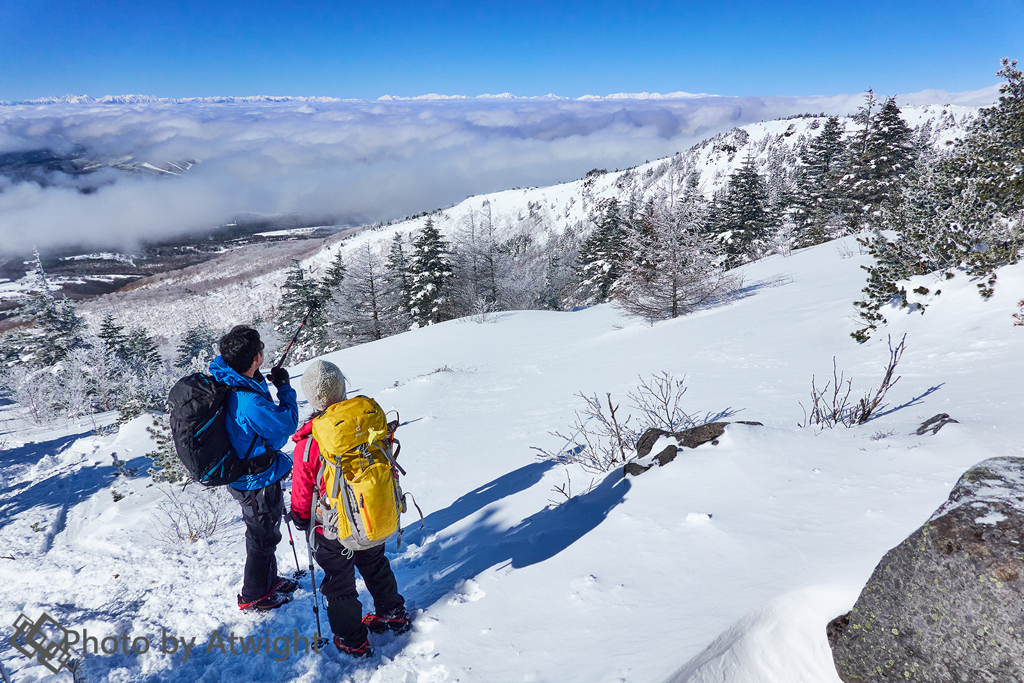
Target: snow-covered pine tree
303, 295
743, 223
115, 341
61, 331
993, 153
964, 213
335, 274
674, 265
398, 281
556, 278
52, 328
599, 264
882, 157
142, 350
330, 287
816, 198
430, 271
197, 348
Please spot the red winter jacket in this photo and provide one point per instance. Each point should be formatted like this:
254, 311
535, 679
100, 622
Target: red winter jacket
304, 473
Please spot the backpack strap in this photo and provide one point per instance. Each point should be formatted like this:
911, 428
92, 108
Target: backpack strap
307, 449
255, 468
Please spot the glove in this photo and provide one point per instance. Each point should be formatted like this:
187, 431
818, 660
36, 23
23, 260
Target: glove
300, 524
279, 376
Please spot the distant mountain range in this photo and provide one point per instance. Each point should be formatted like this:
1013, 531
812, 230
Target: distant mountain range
931, 96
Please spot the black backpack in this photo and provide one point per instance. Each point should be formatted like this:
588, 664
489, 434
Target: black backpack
198, 405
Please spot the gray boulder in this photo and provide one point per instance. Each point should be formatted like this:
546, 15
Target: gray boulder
689, 438
946, 604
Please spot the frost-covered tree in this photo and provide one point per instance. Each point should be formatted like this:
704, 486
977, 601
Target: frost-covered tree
430, 271
51, 327
558, 284
674, 266
60, 331
361, 310
600, 258
478, 264
398, 281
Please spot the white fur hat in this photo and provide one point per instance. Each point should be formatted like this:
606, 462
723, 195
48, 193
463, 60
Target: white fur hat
323, 384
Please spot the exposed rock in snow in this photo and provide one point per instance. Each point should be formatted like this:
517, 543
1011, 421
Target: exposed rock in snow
946, 604
658, 447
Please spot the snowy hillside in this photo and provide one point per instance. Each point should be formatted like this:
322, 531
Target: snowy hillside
725, 565
537, 213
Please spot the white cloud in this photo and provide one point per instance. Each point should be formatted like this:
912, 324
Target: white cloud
352, 160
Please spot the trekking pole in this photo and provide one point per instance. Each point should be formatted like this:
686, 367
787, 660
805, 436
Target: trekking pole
299, 573
320, 640
295, 337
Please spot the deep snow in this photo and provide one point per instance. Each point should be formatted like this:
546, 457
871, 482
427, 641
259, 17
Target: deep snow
629, 581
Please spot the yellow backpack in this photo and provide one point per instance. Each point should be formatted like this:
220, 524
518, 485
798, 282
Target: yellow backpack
361, 502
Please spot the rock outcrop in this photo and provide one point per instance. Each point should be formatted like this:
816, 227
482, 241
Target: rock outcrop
666, 450
947, 604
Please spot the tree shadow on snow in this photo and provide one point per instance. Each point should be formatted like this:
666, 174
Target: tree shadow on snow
444, 565
915, 401
61, 487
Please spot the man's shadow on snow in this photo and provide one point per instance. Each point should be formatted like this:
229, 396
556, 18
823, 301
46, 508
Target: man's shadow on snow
443, 565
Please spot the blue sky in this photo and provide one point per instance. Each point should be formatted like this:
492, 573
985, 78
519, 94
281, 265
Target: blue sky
366, 49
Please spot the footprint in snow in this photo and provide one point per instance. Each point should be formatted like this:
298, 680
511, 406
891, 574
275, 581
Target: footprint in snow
466, 591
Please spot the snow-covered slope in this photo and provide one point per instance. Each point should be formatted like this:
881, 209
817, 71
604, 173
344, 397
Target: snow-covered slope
536, 212
621, 583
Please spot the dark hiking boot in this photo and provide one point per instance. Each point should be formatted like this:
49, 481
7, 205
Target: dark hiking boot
357, 652
267, 602
397, 621
283, 585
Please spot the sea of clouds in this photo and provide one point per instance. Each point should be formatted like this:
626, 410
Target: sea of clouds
348, 162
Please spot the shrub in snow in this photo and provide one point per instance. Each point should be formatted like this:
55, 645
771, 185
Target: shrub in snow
603, 438
831, 405
165, 458
193, 514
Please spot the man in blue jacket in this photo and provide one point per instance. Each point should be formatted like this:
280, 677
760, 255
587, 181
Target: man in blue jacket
257, 427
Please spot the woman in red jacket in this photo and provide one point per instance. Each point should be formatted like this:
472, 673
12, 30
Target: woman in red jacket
324, 385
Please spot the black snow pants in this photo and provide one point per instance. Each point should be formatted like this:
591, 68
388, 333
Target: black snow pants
344, 611
262, 510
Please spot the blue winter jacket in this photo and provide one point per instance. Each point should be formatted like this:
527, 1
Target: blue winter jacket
250, 414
